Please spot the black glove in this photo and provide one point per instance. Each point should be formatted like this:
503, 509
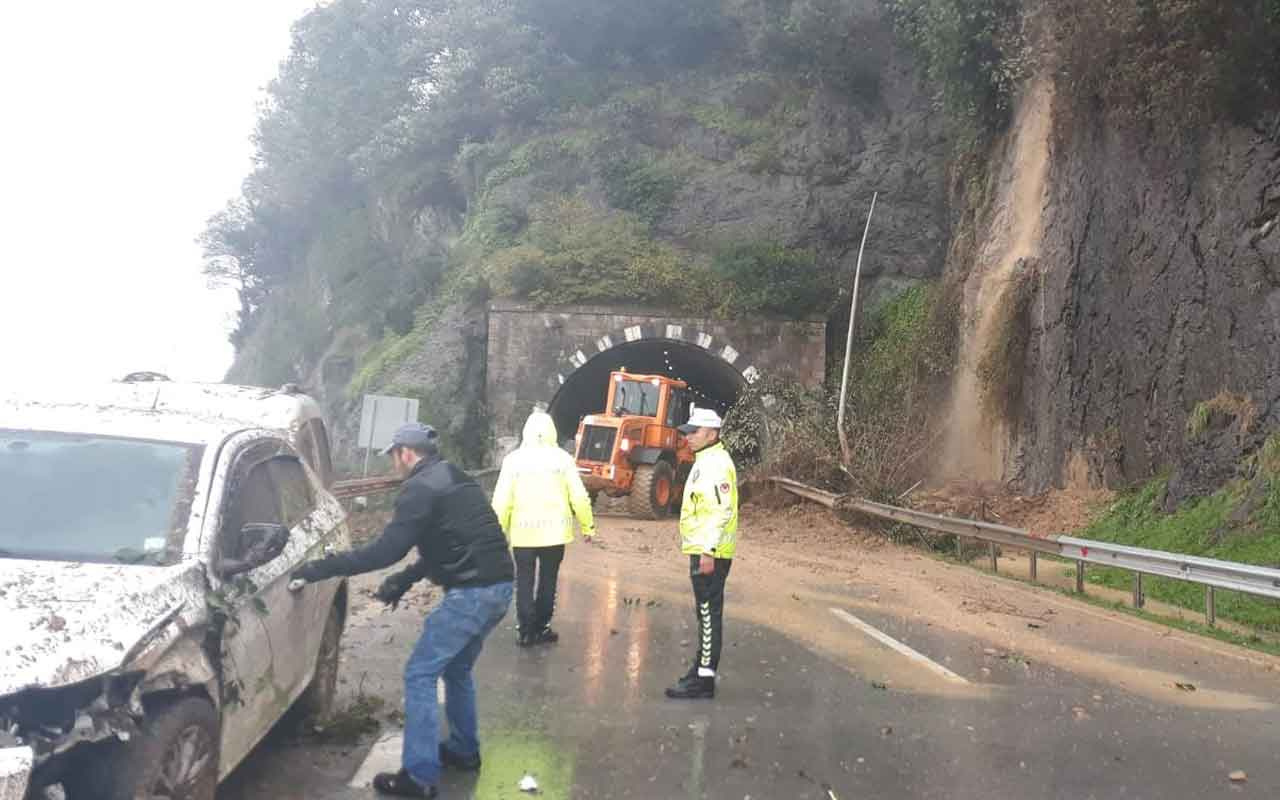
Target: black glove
394, 588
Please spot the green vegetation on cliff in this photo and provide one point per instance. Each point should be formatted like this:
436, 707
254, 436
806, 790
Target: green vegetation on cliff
525, 148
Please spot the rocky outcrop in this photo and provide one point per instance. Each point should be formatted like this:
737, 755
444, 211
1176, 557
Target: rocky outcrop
1157, 287
815, 194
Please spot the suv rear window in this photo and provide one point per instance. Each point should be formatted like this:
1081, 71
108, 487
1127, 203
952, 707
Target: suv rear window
74, 497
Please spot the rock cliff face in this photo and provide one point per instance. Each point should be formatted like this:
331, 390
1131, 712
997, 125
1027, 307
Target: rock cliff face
1153, 286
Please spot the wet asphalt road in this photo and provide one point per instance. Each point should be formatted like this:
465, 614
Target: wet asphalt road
587, 717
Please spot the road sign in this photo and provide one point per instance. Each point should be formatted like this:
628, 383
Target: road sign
380, 415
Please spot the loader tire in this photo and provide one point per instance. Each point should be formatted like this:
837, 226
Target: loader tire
652, 491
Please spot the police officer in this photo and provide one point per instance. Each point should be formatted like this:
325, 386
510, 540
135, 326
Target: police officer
709, 537
445, 514
538, 495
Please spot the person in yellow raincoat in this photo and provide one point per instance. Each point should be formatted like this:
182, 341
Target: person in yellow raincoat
539, 493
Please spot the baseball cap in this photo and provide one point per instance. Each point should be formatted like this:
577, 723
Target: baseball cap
412, 434
701, 418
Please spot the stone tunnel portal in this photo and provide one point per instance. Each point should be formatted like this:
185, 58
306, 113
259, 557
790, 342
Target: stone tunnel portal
560, 358
713, 381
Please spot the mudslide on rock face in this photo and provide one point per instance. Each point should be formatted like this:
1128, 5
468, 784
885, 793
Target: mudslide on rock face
978, 443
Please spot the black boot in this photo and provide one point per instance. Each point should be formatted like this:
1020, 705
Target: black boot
461, 763
400, 784
693, 687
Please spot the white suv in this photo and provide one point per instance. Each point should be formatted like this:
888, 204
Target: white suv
148, 637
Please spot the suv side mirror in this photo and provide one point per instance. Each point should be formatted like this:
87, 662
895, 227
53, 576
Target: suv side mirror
261, 543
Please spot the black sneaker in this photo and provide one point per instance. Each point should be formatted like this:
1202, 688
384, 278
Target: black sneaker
461, 763
546, 636
400, 784
693, 688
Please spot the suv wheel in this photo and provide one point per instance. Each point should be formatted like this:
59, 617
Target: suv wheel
175, 757
317, 701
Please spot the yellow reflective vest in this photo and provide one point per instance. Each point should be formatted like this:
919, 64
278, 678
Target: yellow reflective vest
709, 513
539, 491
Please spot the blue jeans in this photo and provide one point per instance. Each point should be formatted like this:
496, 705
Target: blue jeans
450, 643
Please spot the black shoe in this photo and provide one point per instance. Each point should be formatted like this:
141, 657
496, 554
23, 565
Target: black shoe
524, 639
461, 763
546, 636
693, 688
399, 784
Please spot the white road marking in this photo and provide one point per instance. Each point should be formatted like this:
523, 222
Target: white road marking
892, 643
384, 756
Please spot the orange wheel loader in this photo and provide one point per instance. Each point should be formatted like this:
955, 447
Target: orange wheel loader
632, 449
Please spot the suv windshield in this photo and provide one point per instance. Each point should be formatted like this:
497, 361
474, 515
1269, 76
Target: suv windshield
73, 497
639, 398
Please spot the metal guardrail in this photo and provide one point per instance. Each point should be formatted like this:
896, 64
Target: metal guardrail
359, 487
1208, 572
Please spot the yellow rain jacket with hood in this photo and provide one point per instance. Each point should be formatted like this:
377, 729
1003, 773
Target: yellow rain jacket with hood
539, 491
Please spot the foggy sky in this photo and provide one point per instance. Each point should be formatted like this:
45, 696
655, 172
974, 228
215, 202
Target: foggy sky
125, 126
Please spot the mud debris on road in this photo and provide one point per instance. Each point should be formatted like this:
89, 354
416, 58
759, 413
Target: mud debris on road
803, 694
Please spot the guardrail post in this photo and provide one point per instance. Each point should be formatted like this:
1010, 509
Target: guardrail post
959, 548
1080, 577
1139, 598
1033, 564
1210, 607
995, 564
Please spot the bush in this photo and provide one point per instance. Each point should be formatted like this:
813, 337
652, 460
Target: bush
1226, 406
783, 429
972, 50
768, 278
730, 122
904, 355
574, 253
835, 43
641, 185
495, 226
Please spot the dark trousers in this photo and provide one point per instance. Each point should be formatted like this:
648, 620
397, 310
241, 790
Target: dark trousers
708, 601
537, 569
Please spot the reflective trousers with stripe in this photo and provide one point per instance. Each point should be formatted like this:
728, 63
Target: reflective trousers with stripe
708, 599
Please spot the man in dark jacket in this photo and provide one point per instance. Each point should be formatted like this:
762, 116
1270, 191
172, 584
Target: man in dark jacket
461, 547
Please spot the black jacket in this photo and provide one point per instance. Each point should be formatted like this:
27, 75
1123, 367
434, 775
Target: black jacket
445, 513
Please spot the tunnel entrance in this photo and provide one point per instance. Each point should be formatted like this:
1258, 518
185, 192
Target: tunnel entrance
713, 382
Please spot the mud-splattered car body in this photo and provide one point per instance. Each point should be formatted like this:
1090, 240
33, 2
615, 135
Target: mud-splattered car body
91, 646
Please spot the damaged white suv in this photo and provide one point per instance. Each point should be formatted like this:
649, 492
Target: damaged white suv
148, 637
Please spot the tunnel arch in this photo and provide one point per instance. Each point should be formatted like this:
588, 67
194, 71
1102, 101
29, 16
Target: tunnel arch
715, 374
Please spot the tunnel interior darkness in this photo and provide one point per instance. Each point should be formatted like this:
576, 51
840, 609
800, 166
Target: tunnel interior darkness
714, 382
